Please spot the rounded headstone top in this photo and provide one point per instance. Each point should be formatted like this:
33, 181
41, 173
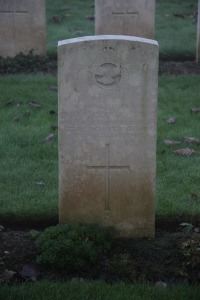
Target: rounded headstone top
107, 37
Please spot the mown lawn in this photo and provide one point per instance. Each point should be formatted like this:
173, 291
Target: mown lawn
96, 291
29, 172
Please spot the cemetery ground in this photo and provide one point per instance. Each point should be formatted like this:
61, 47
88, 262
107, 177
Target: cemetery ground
29, 171
29, 190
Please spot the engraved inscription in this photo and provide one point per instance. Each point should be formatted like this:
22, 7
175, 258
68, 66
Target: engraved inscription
125, 14
107, 168
14, 9
108, 74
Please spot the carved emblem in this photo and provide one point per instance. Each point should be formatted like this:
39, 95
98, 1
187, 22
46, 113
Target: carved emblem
108, 74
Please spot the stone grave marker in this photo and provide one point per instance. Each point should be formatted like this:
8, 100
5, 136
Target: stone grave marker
107, 132
198, 34
125, 17
22, 27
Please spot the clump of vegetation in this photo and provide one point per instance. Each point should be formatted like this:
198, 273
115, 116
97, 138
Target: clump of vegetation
29, 63
72, 247
190, 250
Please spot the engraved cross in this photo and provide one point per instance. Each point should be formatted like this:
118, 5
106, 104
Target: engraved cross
14, 10
124, 14
107, 168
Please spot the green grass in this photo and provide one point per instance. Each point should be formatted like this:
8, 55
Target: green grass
26, 159
96, 291
72, 21
176, 35
178, 177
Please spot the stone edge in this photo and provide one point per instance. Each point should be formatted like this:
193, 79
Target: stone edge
108, 37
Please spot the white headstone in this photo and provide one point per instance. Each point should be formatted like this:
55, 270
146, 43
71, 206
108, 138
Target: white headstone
107, 132
198, 34
22, 27
126, 17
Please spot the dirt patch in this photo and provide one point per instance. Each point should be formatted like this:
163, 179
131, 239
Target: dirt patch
48, 65
178, 68
129, 260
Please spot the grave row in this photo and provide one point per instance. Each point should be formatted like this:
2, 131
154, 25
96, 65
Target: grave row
22, 23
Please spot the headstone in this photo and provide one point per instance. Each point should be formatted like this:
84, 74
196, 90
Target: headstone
198, 34
107, 132
22, 27
126, 17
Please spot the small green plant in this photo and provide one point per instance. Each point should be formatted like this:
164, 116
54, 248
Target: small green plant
190, 249
29, 63
72, 247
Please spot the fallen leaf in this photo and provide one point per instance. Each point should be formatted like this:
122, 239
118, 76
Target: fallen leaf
56, 19
52, 112
27, 113
179, 15
53, 88
160, 284
40, 183
54, 127
191, 140
195, 110
9, 103
65, 7
194, 195
186, 224
171, 143
91, 18
50, 138
29, 270
35, 105
185, 152
2, 228
79, 33
16, 119
187, 227
11, 276
171, 120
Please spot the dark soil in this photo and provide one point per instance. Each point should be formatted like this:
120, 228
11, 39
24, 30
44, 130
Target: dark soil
129, 260
48, 64
178, 68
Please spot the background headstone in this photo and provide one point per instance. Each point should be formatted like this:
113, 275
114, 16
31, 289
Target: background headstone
22, 27
198, 34
107, 132
126, 17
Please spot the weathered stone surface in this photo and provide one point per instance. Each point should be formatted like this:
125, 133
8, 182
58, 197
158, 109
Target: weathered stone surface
22, 27
126, 17
198, 34
107, 132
